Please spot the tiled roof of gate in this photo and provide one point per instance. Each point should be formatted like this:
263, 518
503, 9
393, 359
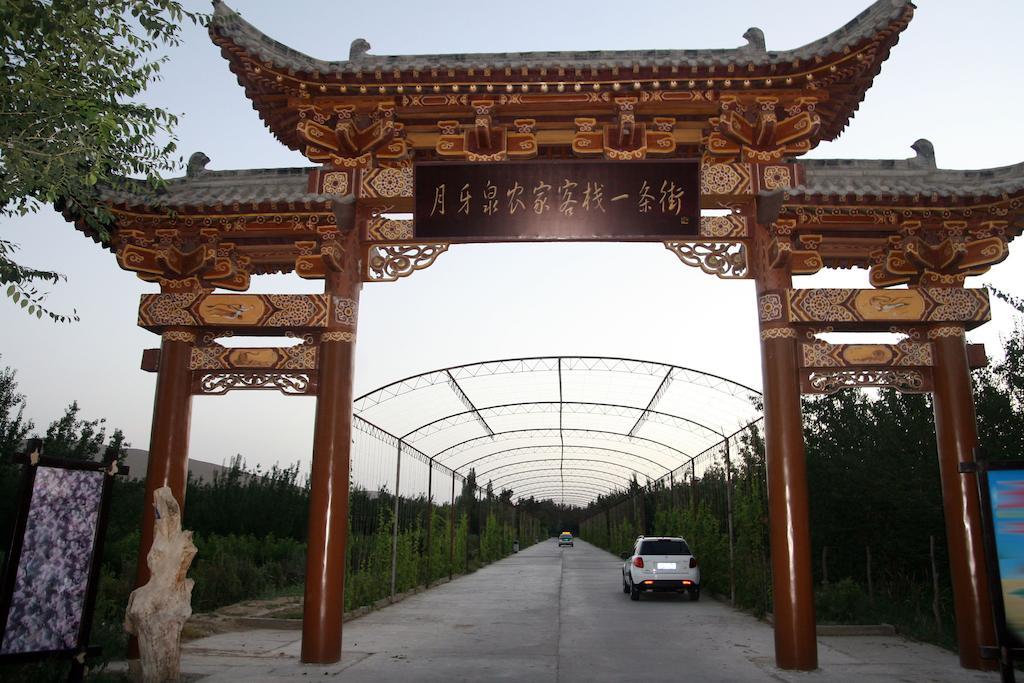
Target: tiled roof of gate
215, 188
878, 17
881, 178
842, 64
916, 176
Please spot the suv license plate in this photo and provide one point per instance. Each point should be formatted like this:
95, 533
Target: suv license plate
666, 565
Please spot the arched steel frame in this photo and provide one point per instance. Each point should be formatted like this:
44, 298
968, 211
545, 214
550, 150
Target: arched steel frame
591, 493
592, 488
550, 363
583, 478
532, 408
568, 499
656, 454
567, 464
555, 488
495, 480
576, 475
451, 450
562, 449
560, 496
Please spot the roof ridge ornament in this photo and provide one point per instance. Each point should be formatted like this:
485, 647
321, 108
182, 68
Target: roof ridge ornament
358, 49
925, 157
196, 165
755, 40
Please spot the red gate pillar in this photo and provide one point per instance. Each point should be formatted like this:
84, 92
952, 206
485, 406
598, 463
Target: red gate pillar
796, 645
168, 442
956, 435
332, 442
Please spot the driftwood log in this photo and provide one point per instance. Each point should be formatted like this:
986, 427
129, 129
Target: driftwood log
158, 610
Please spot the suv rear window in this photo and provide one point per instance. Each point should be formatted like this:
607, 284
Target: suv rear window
664, 547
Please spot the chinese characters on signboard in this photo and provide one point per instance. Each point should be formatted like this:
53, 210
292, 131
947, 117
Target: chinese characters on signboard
557, 200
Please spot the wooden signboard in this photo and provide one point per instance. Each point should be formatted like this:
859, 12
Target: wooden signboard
537, 200
866, 310
261, 313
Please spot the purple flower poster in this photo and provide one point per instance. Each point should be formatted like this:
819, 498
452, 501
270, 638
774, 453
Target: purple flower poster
56, 556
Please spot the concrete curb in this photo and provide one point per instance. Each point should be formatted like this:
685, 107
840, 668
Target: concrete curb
276, 623
856, 630
847, 629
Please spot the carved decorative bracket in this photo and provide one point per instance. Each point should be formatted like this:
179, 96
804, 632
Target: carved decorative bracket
727, 260
729, 180
625, 139
389, 183
484, 140
170, 255
350, 139
719, 227
914, 381
939, 256
317, 258
390, 262
762, 129
293, 383
217, 369
380, 229
797, 253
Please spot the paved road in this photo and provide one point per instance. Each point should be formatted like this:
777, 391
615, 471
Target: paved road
559, 615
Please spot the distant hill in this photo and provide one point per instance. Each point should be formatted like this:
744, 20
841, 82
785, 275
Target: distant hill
138, 460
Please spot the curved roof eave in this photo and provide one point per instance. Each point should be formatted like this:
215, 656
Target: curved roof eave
880, 17
917, 176
882, 22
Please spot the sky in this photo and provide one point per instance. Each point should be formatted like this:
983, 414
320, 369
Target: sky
953, 78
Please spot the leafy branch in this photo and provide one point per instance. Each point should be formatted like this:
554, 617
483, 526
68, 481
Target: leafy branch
1014, 301
69, 128
20, 289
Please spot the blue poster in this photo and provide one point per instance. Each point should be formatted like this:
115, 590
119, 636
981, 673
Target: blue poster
1006, 492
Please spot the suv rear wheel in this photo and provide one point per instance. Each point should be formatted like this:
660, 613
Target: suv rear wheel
634, 592
625, 586
695, 594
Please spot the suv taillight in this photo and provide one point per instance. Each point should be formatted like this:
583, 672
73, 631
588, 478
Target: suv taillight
638, 562
693, 562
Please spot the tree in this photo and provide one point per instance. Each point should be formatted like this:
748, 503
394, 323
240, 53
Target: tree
14, 428
469, 502
69, 119
75, 439
506, 496
1011, 371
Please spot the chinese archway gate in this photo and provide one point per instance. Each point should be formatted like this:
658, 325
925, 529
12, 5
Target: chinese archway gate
577, 146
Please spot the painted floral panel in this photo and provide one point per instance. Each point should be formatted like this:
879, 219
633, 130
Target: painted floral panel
56, 554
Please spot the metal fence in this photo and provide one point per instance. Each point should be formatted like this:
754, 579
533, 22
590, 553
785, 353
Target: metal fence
413, 521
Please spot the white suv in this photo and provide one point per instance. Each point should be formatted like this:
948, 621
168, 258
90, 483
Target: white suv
660, 563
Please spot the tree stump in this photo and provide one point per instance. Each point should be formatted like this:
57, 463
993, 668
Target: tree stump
158, 610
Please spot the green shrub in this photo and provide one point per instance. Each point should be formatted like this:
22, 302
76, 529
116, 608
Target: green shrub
842, 602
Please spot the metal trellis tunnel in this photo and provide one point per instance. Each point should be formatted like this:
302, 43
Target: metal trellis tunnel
566, 428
